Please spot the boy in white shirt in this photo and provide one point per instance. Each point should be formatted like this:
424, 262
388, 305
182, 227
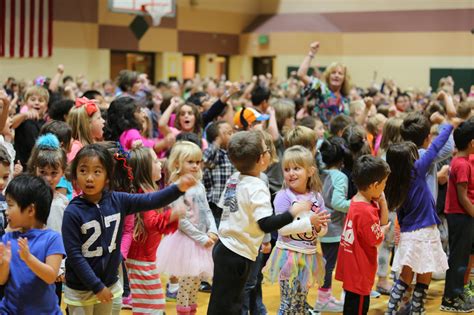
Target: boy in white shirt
247, 215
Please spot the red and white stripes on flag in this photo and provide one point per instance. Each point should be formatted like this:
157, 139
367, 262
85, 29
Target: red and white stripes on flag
26, 28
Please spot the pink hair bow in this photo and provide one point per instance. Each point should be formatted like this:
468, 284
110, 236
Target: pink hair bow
91, 106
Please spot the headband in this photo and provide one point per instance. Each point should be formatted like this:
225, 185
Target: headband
91, 106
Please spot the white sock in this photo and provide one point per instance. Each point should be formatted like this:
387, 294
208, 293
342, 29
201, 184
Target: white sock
173, 287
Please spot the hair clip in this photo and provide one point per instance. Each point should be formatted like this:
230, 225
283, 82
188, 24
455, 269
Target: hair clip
123, 159
48, 141
91, 106
39, 81
122, 151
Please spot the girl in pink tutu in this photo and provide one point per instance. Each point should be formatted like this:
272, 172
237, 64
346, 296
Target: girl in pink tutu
187, 253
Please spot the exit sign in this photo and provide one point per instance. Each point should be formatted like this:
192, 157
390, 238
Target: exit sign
263, 39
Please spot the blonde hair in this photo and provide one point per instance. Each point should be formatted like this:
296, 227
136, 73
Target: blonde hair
140, 161
346, 84
300, 156
38, 90
182, 151
301, 135
267, 138
373, 123
391, 133
80, 123
284, 109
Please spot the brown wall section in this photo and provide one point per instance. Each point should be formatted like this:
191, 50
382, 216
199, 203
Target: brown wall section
404, 21
203, 43
117, 38
76, 11
387, 21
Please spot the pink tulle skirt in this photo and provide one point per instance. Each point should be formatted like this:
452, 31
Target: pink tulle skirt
178, 255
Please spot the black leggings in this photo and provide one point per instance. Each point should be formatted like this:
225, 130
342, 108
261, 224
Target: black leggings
330, 255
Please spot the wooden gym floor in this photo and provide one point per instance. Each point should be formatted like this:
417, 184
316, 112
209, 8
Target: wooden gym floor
271, 298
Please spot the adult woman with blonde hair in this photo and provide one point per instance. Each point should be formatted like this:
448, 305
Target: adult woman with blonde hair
331, 92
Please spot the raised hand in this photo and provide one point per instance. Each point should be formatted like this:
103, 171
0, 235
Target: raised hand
186, 181
313, 48
60, 68
5, 253
24, 250
320, 218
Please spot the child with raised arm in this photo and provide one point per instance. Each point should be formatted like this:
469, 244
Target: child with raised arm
247, 216
419, 250
92, 230
30, 256
366, 221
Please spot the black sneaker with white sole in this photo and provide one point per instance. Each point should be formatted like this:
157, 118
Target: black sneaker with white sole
455, 305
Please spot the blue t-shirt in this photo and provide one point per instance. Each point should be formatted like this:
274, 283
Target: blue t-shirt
26, 293
64, 183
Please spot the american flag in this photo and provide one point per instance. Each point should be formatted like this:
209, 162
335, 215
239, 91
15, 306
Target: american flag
26, 28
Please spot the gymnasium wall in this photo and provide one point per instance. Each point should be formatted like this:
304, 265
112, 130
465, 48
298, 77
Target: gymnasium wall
398, 39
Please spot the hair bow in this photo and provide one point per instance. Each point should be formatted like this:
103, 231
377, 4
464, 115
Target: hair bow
91, 106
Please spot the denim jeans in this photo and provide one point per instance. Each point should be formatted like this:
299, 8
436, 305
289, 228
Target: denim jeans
252, 299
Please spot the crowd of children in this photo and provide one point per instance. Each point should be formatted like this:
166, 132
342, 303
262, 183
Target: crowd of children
286, 181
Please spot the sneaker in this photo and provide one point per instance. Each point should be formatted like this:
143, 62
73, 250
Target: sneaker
331, 306
468, 295
170, 296
310, 310
205, 287
456, 305
374, 294
127, 302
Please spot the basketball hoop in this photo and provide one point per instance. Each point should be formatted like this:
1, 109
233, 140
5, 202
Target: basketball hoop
158, 9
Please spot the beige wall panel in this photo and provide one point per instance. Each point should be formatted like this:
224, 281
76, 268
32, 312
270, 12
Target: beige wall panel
110, 18
196, 20
240, 68
408, 44
75, 35
158, 39
306, 6
290, 43
93, 63
282, 62
207, 65
241, 6
171, 65
408, 71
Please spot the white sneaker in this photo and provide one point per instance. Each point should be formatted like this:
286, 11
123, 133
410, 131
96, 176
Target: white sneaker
331, 306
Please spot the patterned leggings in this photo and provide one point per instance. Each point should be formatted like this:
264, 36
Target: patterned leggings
188, 289
292, 298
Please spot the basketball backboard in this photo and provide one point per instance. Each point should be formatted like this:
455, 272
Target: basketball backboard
139, 6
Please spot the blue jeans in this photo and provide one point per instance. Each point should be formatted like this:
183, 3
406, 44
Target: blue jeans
252, 298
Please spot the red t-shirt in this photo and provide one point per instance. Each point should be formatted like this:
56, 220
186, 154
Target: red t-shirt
461, 171
357, 257
156, 224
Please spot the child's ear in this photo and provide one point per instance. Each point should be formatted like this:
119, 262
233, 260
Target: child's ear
31, 210
312, 170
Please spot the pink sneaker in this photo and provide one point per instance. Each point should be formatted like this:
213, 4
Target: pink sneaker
127, 303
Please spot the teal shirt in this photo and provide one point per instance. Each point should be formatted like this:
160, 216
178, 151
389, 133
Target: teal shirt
335, 187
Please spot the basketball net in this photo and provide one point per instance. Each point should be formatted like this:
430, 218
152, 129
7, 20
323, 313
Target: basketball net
158, 9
